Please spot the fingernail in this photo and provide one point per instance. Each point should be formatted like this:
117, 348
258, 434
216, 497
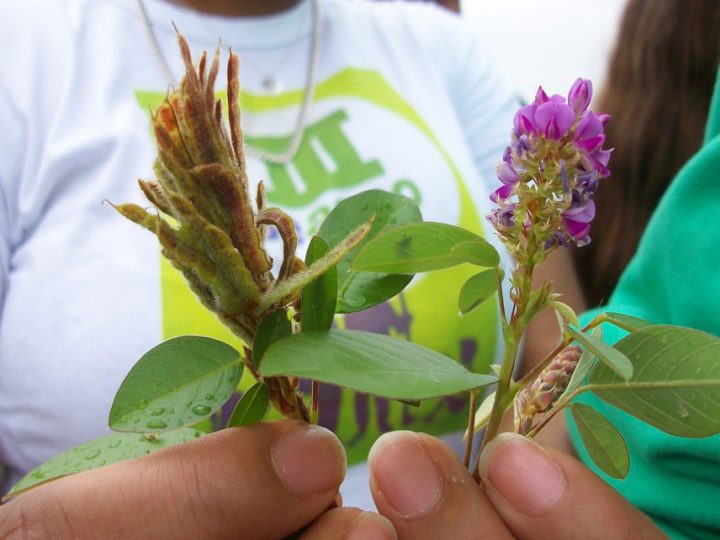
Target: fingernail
308, 459
371, 527
405, 474
522, 473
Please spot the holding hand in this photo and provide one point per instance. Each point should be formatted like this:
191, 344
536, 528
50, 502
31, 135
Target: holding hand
263, 481
527, 492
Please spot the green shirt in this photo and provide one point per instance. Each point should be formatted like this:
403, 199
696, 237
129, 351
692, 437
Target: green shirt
674, 278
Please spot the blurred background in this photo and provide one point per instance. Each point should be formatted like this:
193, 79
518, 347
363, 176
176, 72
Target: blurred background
560, 40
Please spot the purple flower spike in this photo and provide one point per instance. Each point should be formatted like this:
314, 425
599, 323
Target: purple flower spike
554, 119
549, 174
580, 95
506, 174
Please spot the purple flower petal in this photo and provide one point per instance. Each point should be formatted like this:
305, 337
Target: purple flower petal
576, 229
580, 95
506, 174
524, 120
597, 161
604, 118
503, 192
554, 119
503, 218
507, 155
589, 134
581, 214
540, 96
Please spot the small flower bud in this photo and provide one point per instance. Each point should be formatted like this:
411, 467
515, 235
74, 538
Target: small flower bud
580, 95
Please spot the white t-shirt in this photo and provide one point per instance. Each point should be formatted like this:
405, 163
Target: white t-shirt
406, 99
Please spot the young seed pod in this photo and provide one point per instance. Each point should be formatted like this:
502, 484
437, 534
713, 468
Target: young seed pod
541, 395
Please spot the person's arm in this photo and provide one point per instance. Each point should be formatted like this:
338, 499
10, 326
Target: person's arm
527, 492
264, 481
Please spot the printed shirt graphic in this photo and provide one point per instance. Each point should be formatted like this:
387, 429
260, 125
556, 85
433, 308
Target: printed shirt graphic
339, 158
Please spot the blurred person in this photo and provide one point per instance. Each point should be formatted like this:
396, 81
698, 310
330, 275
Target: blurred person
658, 89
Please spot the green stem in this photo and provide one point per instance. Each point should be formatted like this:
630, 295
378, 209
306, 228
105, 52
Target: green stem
512, 335
471, 427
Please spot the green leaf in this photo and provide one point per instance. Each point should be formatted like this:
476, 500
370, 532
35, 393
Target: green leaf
583, 367
612, 357
274, 326
478, 252
319, 297
482, 415
604, 443
626, 322
676, 383
476, 290
252, 406
418, 247
360, 290
372, 363
566, 312
177, 383
99, 452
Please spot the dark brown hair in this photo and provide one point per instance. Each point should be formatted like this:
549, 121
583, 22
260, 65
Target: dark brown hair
658, 89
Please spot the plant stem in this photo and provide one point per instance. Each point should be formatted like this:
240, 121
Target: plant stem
471, 427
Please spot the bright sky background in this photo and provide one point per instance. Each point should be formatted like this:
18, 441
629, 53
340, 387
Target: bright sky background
548, 42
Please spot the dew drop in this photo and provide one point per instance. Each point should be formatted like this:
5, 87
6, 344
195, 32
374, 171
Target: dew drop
93, 455
115, 444
102, 462
201, 410
156, 424
143, 404
158, 411
210, 397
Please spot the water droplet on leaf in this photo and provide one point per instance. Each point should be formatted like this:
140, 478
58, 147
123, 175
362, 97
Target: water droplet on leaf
156, 424
93, 455
201, 410
115, 444
209, 397
158, 411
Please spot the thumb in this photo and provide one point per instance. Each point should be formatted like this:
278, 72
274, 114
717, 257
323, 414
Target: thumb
262, 481
542, 493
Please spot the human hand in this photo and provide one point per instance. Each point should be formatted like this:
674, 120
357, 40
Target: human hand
263, 481
527, 492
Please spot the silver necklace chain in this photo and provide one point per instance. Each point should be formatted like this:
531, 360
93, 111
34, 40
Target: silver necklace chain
281, 158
